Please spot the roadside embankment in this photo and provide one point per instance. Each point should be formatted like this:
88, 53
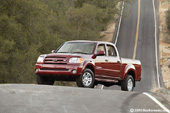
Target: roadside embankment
164, 46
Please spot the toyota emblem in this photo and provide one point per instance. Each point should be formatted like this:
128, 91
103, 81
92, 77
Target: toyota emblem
55, 60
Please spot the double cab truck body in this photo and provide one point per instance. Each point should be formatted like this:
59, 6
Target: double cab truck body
88, 63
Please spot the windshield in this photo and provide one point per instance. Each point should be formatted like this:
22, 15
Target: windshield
77, 47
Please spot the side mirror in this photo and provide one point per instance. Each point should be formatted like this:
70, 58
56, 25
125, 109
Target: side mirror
100, 53
53, 51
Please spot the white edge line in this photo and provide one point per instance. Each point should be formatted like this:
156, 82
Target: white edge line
156, 44
118, 29
157, 102
119, 23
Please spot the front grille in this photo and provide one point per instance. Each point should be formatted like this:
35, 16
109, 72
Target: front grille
56, 63
53, 69
55, 60
52, 60
54, 57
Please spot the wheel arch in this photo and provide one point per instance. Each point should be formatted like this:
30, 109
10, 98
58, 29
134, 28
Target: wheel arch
130, 70
132, 73
91, 67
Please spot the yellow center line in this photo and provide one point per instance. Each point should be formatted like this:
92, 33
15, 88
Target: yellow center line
137, 31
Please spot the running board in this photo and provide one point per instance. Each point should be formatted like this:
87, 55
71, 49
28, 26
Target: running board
106, 80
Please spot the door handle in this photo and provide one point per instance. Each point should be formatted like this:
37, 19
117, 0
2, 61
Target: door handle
106, 60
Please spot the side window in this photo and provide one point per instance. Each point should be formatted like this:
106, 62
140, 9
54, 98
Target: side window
101, 47
111, 50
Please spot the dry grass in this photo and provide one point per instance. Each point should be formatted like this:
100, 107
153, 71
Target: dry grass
108, 34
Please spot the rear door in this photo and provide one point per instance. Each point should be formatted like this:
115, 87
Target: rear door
114, 63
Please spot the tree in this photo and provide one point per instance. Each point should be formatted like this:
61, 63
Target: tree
29, 28
25, 33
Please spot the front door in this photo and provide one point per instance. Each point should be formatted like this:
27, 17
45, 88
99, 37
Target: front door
101, 62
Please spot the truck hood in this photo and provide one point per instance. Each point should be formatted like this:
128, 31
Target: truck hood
62, 58
66, 55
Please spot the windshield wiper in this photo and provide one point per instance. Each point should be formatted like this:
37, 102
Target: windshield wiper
81, 52
62, 52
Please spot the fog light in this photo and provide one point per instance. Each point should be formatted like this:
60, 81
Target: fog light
74, 71
36, 70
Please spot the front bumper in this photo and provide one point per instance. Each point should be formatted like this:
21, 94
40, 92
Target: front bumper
51, 69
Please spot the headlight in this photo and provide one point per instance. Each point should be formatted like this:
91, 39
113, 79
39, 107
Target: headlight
76, 60
41, 59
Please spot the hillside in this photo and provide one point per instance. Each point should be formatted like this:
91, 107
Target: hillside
29, 28
164, 43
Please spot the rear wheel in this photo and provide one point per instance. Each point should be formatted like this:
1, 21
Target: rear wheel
128, 83
44, 80
86, 79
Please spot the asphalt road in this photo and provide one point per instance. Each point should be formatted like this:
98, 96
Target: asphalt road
54, 99
145, 51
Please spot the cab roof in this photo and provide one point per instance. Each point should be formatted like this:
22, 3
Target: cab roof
88, 41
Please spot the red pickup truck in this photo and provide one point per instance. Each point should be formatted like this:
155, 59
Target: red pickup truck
87, 63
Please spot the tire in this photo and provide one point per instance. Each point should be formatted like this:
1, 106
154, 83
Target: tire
86, 79
128, 83
44, 80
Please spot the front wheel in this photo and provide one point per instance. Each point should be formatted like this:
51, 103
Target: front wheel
86, 79
128, 83
44, 80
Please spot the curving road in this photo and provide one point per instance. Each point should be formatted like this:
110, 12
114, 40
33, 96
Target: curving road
141, 25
